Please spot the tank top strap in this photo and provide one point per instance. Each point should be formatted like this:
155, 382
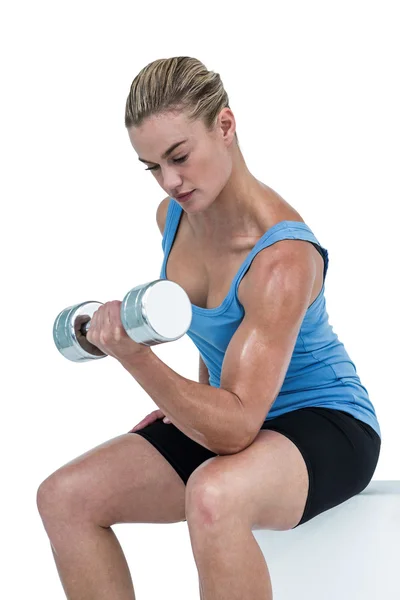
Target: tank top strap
171, 225
284, 230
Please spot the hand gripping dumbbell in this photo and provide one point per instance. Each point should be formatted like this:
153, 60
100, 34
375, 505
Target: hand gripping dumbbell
151, 314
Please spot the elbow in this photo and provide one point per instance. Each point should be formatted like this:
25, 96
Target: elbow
236, 448
242, 441
232, 445
241, 432
248, 432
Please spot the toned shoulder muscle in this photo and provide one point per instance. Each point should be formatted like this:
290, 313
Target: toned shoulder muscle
161, 214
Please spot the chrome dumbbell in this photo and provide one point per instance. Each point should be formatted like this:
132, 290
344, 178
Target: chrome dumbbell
151, 314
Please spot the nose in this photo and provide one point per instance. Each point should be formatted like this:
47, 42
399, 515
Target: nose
171, 179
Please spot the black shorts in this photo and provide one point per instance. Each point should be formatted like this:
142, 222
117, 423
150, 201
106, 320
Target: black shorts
340, 451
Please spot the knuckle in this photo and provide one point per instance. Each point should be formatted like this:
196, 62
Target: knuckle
104, 338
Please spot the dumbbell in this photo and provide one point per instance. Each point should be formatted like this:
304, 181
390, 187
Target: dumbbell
153, 313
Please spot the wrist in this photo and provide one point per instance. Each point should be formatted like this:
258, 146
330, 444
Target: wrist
136, 357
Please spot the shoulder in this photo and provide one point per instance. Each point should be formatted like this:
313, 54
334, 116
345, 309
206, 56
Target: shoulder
161, 214
286, 268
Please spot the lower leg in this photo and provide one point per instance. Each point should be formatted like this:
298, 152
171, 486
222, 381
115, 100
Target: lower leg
91, 563
230, 563
201, 590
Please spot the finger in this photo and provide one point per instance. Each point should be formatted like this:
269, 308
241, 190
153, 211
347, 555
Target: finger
96, 314
103, 317
144, 423
110, 321
138, 426
153, 416
141, 425
115, 318
92, 326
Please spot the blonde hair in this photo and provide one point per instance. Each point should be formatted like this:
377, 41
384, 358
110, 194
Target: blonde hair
180, 83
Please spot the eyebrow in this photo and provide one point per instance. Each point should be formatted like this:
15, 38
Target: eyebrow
166, 153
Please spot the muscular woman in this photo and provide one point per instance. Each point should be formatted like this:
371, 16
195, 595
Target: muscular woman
279, 427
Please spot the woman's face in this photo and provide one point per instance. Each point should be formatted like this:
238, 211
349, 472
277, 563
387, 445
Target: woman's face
202, 162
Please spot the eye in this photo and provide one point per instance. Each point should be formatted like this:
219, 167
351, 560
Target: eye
178, 160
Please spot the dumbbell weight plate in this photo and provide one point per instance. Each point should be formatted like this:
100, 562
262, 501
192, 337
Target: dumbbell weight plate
67, 335
151, 314
156, 312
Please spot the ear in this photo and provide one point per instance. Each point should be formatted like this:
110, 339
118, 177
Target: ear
227, 123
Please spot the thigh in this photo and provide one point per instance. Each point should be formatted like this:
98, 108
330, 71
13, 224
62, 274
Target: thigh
341, 454
124, 480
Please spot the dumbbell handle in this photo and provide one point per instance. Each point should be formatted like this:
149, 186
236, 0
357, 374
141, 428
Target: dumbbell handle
85, 327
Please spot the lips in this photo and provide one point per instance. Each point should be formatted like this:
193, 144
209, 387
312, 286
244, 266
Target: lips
185, 194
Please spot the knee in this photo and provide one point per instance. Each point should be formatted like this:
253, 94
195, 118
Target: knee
205, 503
55, 493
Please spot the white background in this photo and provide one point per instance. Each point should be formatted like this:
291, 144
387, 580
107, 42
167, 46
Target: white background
314, 89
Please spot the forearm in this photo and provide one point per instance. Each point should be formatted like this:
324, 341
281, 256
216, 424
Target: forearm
212, 417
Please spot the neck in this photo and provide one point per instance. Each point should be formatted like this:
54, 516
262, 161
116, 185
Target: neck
238, 211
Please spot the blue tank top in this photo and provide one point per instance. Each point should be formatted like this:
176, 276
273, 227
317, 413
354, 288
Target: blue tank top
320, 372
